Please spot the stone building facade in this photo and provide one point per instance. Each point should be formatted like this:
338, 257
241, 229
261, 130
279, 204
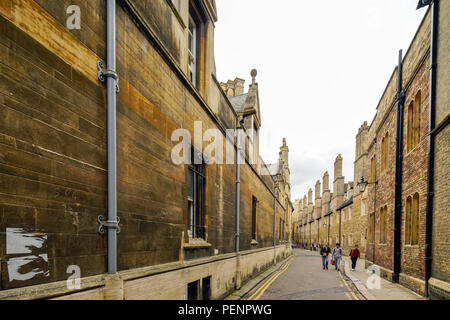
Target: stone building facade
400, 220
174, 242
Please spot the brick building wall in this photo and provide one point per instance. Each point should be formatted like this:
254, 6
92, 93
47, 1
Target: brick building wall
440, 270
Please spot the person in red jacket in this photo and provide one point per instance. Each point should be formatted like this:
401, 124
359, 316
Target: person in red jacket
354, 255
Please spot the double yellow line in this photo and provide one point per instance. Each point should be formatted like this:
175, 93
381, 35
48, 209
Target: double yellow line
349, 289
258, 293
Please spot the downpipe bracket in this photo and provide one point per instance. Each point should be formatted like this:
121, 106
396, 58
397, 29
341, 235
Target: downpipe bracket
108, 224
103, 74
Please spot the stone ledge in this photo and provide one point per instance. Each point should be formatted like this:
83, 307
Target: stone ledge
196, 244
439, 289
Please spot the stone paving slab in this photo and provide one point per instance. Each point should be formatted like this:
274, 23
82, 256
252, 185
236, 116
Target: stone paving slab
386, 290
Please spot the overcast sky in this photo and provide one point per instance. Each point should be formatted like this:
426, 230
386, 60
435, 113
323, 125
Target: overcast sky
322, 68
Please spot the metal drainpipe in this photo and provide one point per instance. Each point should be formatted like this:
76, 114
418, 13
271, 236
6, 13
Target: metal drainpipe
111, 125
238, 180
285, 208
431, 146
340, 219
112, 88
398, 171
275, 216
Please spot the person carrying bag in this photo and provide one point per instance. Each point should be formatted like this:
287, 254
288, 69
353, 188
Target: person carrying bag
337, 256
324, 252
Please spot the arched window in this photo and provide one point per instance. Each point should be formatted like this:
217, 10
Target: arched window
413, 130
415, 220
410, 129
385, 152
412, 220
383, 225
417, 111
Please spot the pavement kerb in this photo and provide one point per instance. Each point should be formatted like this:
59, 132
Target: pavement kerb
256, 281
356, 282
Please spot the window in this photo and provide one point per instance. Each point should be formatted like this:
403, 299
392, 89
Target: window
372, 170
206, 288
196, 196
417, 110
371, 227
385, 152
412, 220
254, 202
363, 207
192, 290
192, 50
383, 225
413, 130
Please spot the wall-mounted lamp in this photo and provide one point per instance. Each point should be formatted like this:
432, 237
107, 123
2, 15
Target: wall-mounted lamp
362, 184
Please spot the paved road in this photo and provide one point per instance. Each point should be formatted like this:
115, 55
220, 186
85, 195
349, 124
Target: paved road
303, 278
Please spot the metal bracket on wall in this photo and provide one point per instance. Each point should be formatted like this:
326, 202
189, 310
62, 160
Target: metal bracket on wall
107, 224
102, 75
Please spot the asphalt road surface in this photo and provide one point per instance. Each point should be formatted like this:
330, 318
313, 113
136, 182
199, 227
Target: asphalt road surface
303, 278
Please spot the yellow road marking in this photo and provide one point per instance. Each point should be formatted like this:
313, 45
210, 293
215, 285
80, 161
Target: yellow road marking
349, 289
263, 288
270, 278
268, 284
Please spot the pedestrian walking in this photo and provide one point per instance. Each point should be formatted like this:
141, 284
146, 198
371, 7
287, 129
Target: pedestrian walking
337, 256
324, 252
354, 255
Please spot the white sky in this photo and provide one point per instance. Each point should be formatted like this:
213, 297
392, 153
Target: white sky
322, 68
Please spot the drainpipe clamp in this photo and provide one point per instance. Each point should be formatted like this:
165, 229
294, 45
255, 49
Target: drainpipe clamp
108, 224
103, 74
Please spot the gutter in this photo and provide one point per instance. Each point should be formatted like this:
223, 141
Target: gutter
431, 145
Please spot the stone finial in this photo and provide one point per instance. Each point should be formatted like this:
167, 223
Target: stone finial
310, 196
254, 73
284, 142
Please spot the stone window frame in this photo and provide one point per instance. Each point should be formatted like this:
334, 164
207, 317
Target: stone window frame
254, 225
385, 152
196, 203
200, 19
371, 236
383, 225
412, 219
413, 122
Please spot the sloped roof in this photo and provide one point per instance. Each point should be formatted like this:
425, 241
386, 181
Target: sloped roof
238, 102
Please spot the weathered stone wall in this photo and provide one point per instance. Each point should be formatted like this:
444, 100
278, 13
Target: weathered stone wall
53, 142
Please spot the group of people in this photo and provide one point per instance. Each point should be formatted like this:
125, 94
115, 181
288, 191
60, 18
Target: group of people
336, 256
